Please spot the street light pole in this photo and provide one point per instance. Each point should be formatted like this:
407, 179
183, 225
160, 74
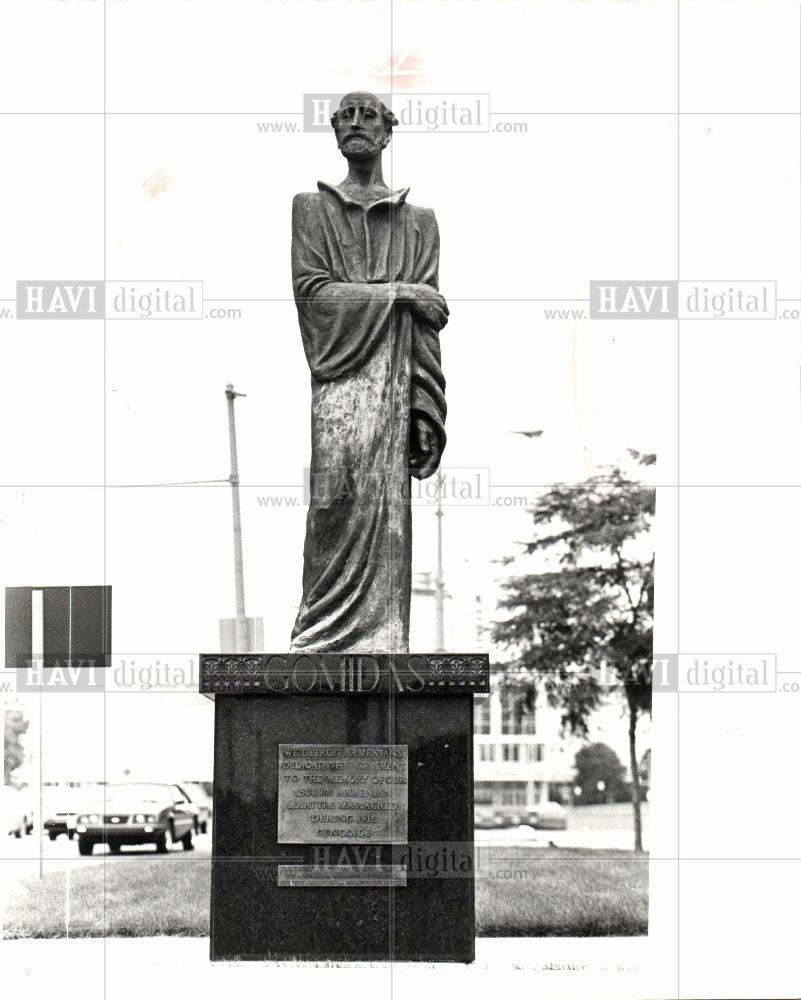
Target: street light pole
240, 626
37, 662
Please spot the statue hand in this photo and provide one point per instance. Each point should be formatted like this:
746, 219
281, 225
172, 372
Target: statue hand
423, 448
426, 302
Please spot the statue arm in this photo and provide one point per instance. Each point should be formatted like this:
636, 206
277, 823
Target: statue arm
428, 407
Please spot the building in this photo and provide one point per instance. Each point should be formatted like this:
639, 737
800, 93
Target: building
518, 756
515, 760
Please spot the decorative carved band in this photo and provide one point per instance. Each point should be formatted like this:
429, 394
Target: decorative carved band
344, 673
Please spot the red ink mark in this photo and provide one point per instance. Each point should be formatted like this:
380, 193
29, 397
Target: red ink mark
159, 183
402, 71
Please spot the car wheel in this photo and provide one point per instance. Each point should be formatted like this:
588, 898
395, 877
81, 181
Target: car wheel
186, 841
161, 843
85, 847
204, 827
53, 836
114, 847
70, 834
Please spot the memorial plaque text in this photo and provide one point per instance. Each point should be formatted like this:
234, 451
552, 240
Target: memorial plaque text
342, 794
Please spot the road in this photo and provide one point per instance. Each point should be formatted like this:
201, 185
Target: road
592, 827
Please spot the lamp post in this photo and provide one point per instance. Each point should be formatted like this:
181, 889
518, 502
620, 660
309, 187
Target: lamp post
240, 621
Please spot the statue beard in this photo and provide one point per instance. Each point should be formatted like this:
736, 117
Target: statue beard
359, 148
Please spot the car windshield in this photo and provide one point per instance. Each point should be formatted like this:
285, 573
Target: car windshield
142, 793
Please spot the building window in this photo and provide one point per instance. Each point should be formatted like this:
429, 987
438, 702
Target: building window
481, 715
517, 718
511, 752
534, 753
483, 793
486, 751
500, 793
513, 795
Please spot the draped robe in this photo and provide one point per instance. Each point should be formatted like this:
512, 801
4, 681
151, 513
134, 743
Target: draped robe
373, 366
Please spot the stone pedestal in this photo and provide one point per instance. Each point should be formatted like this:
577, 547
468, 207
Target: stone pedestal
343, 806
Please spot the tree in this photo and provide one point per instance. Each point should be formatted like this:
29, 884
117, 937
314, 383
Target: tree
15, 726
600, 774
645, 771
583, 626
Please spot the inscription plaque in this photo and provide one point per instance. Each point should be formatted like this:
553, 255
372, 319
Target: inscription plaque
342, 793
365, 877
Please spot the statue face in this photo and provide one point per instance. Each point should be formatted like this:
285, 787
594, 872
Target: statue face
360, 129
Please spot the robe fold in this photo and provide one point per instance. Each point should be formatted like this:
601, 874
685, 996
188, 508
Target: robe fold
373, 366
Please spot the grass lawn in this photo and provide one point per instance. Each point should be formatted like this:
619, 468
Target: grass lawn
138, 897
563, 893
521, 893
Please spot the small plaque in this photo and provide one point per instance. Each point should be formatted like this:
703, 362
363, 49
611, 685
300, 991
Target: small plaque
363, 877
342, 793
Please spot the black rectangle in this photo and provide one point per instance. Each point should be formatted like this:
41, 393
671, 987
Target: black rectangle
255, 918
57, 622
18, 627
90, 625
76, 626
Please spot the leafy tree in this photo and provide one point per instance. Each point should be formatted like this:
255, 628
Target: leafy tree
582, 627
15, 726
597, 764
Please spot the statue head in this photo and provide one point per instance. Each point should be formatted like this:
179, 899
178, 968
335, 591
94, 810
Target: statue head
363, 125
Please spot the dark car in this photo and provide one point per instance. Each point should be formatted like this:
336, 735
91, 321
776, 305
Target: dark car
60, 822
545, 816
137, 813
199, 798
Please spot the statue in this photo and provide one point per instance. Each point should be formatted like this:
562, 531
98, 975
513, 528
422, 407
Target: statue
364, 272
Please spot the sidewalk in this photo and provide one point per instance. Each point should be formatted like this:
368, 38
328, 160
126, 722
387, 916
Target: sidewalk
119, 968
581, 838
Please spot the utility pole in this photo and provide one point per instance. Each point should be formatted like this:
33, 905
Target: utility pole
37, 663
439, 581
240, 621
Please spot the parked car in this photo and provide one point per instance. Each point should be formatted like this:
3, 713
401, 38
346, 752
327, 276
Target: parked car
61, 813
544, 816
13, 812
198, 797
489, 817
137, 813
193, 807
547, 816
26, 797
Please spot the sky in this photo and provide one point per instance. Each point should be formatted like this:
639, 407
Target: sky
196, 191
